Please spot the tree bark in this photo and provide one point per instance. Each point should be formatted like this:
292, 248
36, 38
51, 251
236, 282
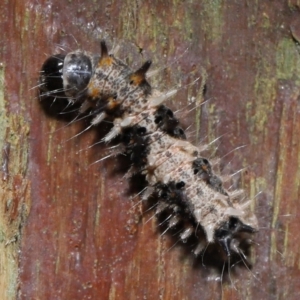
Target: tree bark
71, 229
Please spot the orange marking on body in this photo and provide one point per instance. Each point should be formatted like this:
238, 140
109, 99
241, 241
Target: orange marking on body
139, 76
137, 79
112, 103
105, 61
93, 91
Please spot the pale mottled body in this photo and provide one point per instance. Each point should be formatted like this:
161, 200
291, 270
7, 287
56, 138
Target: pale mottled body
177, 174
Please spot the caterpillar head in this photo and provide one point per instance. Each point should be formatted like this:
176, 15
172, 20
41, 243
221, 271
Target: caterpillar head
66, 75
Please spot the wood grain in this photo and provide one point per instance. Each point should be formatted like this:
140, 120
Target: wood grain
72, 230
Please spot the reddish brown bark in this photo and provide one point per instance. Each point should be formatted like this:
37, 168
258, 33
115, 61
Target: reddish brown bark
82, 239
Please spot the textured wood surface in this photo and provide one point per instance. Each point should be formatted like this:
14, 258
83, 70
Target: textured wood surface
72, 230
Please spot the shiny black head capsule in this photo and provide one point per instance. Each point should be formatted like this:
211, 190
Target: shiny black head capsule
77, 72
51, 78
65, 75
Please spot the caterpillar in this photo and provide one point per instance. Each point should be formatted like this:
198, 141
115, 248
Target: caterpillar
188, 193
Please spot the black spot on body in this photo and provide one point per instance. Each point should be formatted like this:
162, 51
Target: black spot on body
136, 142
165, 120
230, 230
202, 168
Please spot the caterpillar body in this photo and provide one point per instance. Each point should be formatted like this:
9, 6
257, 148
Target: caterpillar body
178, 176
